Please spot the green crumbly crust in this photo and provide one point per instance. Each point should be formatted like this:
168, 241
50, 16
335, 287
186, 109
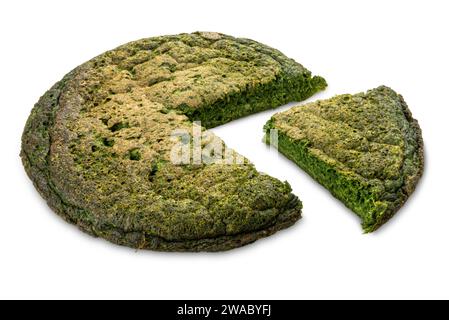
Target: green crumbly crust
366, 149
97, 145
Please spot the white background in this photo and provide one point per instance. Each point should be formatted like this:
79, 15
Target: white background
355, 45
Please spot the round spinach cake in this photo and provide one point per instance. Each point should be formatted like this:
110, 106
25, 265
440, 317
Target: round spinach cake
98, 144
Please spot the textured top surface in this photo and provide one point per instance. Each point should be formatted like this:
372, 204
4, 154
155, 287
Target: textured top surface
104, 145
370, 137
